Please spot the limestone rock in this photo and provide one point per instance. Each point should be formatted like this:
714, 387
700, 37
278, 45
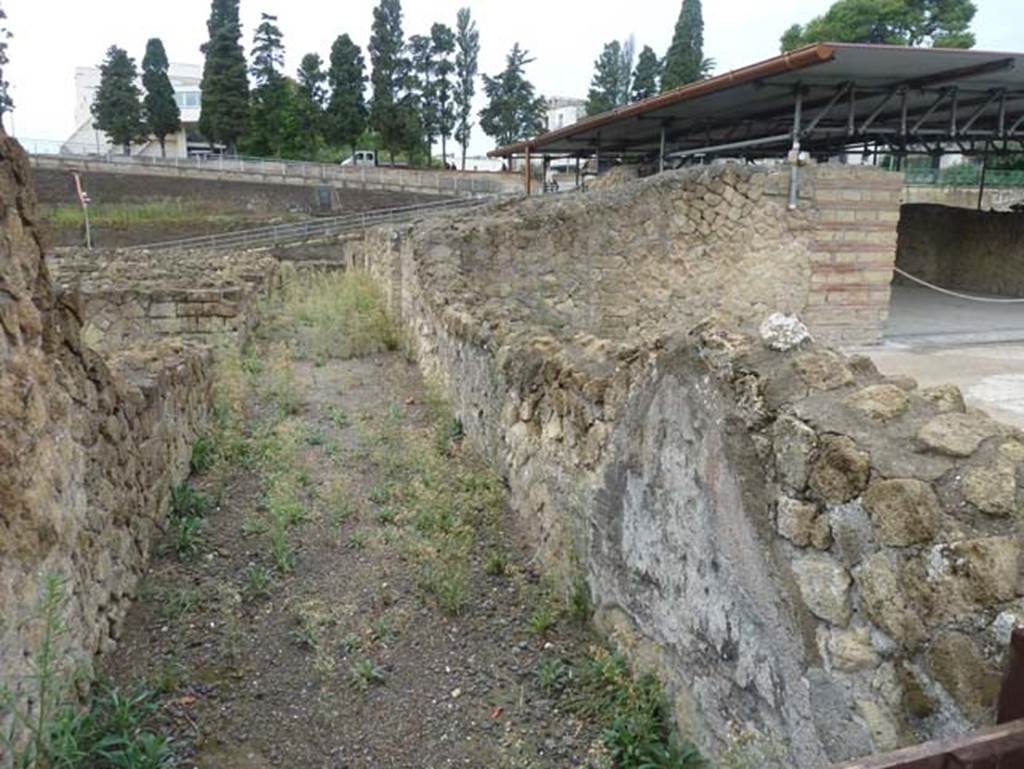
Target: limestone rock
957, 435
825, 587
903, 382
793, 442
959, 665
1012, 450
987, 568
800, 523
882, 401
992, 490
851, 650
823, 369
840, 471
880, 722
885, 602
783, 332
905, 511
947, 398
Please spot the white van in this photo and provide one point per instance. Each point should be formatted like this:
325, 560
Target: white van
361, 158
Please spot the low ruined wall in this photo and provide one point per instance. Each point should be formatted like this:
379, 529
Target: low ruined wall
800, 547
89, 450
957, 248
130, 296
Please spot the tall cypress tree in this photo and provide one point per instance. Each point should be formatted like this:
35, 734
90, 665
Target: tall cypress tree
443, 46
467, 41
310, 99
162, 114
420, 91
225, 110
512, 112
117, 108
388, 74
271, 124
606, 85
346, 110
6, 103
645, 76
684, 62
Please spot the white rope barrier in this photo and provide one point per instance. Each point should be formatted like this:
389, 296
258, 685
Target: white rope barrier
956, 294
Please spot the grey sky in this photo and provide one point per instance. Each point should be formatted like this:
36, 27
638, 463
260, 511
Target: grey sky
52, 37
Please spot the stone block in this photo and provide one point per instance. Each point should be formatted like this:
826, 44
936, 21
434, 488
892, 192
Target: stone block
883, 598
947, 398
992, 489
851, 650
825, 587
801, 524
957, 663
840, 470
793, 442
956, 435
882, 401
905, 511
822, 369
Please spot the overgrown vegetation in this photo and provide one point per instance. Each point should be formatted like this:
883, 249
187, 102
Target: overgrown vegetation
46, 730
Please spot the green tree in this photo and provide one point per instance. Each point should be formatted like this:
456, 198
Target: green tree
388, 75
606, 86
421, 93
442, 41
162, 114
685, 62
310, 101
224, 116
346, 110
467, 42
6, 103
117, 108
512, 112
942, 23
626, 68
272, 118
646, 74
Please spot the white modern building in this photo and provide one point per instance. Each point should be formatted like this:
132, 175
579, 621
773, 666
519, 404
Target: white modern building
185, 79
563, 111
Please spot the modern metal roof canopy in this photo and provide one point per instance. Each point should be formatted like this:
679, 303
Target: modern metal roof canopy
828, 96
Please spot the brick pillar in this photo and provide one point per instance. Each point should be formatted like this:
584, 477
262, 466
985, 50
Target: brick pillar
853, 236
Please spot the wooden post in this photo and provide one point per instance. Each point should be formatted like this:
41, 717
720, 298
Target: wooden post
529, 180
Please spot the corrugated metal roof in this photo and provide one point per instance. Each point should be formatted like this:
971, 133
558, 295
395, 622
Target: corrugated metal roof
887, 89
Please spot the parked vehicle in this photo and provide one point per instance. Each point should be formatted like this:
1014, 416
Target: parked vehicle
361, 158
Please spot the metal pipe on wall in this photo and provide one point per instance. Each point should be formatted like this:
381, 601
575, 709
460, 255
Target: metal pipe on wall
794, 152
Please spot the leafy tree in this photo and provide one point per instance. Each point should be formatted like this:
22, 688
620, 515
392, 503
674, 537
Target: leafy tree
117, 108
626, 68
388, 75
606, 86
224, 116
272, 114
512, 112
442, 41
685, 62
943, 23
162, 114
646, 74
6, 103
310, 99
467, 41
346, 110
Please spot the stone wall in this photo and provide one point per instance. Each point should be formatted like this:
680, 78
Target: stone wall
957, 248
130, 296
800, 547
89, 449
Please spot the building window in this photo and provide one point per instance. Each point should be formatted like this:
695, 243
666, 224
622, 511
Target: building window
187, 98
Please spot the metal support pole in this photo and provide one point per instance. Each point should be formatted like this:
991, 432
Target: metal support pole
577, 172
529, 180
794, 152
661, 152
981, 181
545, 165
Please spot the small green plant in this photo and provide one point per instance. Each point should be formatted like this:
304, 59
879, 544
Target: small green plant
257, 581
186, 501
380, 630
181, 603
447, 579
338, 417
365, 673
543, 619
351, 643
579, 600
552, 674
315, 436
280, 549
358, 539
204, 455
387, 516
186, 536
379, 494
496, 564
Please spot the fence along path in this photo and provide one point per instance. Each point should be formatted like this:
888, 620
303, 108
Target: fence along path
297, 232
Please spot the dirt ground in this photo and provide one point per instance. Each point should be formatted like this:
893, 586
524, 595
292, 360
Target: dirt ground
401, 624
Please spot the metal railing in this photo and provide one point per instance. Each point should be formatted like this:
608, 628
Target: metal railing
963, 175
435, 180
298, 232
